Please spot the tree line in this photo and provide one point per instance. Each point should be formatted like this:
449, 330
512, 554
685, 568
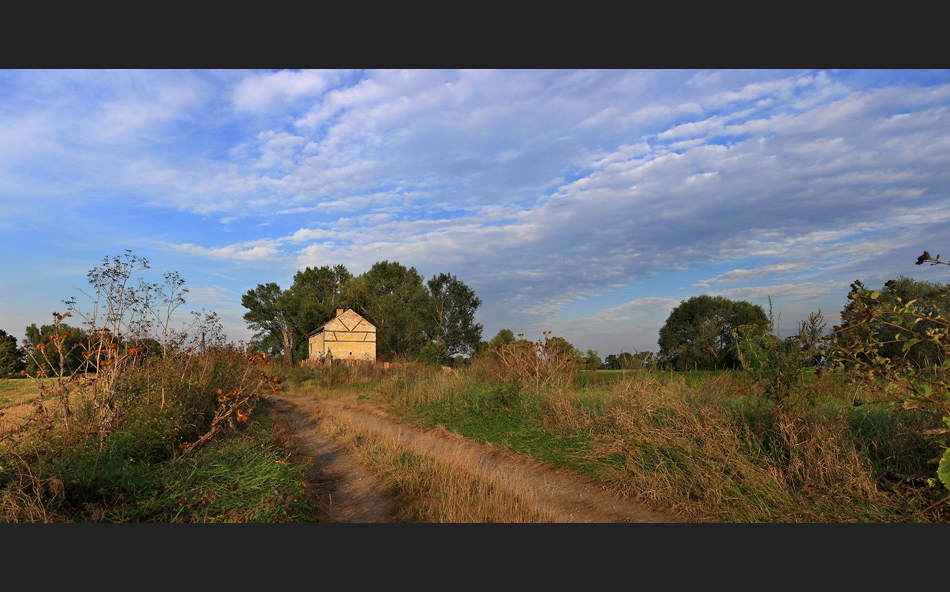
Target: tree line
432, 319
701, 333
436, 319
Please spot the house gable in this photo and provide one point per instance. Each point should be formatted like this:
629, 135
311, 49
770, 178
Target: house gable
347, 336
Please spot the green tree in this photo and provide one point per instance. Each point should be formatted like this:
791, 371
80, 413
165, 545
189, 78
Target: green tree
563, 348
592, 360
393, 298
64, 355
452, 311
269, 313
501, 338
11, 359
313, 299
699, 333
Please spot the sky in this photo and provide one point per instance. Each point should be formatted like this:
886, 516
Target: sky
585, 203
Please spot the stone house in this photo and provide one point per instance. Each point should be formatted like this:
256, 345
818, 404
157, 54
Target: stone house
347, 336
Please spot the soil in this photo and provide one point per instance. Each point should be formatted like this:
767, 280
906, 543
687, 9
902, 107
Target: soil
347, 492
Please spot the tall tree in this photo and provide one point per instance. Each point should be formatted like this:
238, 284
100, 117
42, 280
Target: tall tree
453, 306
269, 314
313, 300
699, 332
592, 360
393, 298
11, 359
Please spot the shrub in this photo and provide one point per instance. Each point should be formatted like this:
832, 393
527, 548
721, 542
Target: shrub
869, 324
538, 365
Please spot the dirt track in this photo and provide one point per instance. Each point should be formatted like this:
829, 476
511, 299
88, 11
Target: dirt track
350, 493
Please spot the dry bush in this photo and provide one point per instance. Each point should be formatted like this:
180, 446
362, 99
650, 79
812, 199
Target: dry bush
548, 362
26, 495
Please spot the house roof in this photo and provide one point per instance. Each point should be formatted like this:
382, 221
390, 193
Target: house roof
362, 321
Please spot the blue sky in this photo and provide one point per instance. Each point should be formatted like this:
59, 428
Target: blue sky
586, 203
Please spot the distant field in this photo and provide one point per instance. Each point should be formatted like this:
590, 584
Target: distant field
13, 390
17, 396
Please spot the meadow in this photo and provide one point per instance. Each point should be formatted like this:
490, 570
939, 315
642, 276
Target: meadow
711, 446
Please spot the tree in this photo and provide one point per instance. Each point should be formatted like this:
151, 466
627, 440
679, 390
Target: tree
452, 311
313, 299
11, 360
65, 348
501, 338
269, 313
394, 299
592, 360
699, 333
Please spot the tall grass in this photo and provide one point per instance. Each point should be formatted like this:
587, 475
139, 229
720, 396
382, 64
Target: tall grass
709, 445
171, 440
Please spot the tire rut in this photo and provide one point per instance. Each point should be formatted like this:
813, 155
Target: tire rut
346, 491
358, 495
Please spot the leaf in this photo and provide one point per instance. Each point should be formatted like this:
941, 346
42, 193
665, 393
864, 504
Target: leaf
943, 470
874, 295
909, 344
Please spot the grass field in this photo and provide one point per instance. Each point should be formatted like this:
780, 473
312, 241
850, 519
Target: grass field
707, 444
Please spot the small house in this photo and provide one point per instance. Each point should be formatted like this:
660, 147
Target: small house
347, 336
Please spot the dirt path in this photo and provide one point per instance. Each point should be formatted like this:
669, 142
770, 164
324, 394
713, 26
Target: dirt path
353, 494
345, 489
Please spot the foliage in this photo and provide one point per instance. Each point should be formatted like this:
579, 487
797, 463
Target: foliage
407, 314
699, 333
11, 359
312, 301
704, 444
501, 338
878, 343
393, 298
453, 305
430, 355
921, 298
630, 361
58, 337
240, 479
548, 362
198, 389
592, 361
780, 365
269, 313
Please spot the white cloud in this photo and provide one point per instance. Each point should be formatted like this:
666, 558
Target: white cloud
266, 91
231, 252
803, 291
545, 188
738, 275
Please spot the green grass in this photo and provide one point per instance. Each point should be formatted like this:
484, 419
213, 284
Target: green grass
706, 442
241, 477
